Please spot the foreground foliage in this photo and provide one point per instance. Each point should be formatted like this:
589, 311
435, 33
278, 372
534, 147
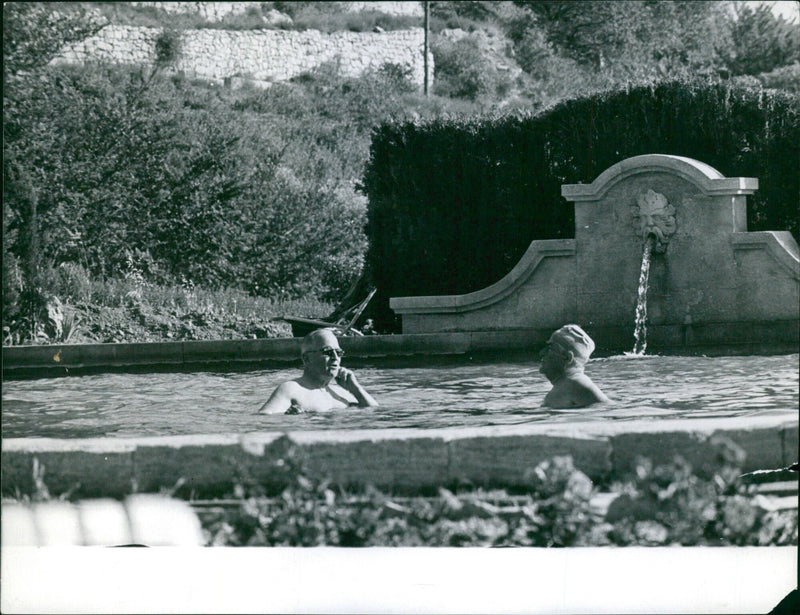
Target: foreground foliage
665, 505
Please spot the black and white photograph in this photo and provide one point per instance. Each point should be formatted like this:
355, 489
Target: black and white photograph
401, 307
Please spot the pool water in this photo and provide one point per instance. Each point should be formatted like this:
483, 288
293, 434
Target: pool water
423, 396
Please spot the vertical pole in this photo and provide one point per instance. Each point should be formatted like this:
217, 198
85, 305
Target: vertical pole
425, 50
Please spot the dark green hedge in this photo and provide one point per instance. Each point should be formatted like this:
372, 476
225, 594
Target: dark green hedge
454, 203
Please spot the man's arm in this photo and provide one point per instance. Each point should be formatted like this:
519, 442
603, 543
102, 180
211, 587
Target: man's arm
347, 380
280, 400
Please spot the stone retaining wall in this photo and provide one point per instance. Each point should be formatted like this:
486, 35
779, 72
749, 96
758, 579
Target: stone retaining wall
262, 56
400, 460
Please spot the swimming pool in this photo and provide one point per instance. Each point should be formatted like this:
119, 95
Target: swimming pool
463, 393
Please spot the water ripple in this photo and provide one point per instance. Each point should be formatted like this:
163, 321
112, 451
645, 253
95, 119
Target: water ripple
502, 393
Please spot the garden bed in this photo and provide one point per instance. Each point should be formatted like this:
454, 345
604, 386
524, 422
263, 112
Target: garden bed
659, 506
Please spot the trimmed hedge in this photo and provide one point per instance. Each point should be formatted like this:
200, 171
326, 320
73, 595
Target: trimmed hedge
455, 202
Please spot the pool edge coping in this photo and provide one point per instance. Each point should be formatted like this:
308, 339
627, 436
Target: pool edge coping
405, 459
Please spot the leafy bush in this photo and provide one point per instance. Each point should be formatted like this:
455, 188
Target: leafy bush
633, 40
671, 504
761, 41
194, 191
329, 17
462, 71
667, 504
784, 78
128, 14
454, 203
69, 281
463, 10
315, 513
168, 46
12, 292
34, 32
160, 185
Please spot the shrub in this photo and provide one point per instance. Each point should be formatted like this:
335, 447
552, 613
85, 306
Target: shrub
532, 50
12, 275
129, 14
784, 78
69, 281
633, 39
168, 46
465, 15
462, 70
329, 17
250, 198
34, 32
668, 504
761, 41
12, 291
398, 76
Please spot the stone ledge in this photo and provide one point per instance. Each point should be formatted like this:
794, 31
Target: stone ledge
762, 447
66, 359
88, 474
708, 179
402, 459
507, 460
790, 442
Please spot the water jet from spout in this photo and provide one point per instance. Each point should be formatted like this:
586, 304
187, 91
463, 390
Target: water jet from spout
640, 331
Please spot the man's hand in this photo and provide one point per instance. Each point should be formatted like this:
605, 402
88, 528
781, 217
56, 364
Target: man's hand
295, 408
346, 379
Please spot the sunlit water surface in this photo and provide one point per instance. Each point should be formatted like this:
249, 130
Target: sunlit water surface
424, 396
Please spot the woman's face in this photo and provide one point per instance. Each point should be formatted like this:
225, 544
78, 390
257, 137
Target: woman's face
553, 359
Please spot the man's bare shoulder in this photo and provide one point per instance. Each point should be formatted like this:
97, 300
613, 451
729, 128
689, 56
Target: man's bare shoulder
289, 386
282, 397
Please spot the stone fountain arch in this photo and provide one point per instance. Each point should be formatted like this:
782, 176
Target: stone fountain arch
711, 281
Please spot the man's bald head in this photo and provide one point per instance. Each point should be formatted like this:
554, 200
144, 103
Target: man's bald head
319, 339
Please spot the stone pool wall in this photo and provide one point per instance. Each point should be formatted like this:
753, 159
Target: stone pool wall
400, 460
77, 359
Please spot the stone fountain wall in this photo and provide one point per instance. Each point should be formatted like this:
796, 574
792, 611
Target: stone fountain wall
707, 270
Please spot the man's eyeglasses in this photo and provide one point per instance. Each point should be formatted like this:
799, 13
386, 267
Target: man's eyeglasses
330, 352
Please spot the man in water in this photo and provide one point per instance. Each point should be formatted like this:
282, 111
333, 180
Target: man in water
563, 360
325, 385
